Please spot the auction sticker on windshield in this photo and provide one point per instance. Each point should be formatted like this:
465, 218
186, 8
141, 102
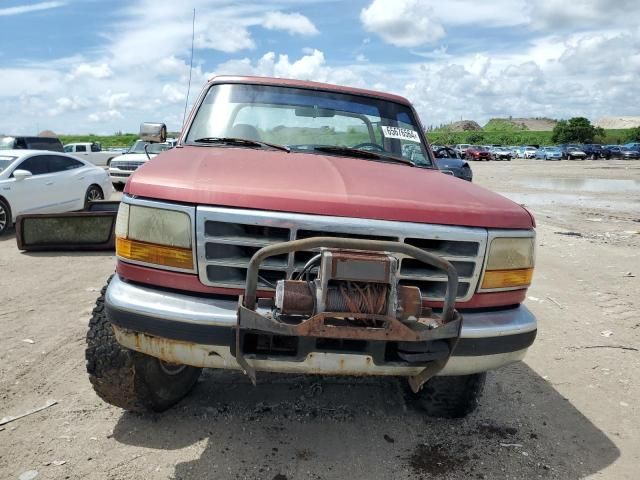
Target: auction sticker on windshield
401, 133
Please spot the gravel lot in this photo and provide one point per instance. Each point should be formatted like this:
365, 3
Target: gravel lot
569, 412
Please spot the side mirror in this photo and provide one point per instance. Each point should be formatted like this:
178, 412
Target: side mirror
153, 132
20, 175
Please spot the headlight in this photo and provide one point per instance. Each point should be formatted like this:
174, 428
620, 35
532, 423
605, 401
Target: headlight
154, 235
509, 263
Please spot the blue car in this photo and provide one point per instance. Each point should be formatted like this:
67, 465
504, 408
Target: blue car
549, 153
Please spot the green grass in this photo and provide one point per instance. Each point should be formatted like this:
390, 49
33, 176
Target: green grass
503, 125
107, 141
515, 137
506, 136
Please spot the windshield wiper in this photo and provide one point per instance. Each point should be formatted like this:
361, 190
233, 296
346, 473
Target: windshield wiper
354, 152
243, 142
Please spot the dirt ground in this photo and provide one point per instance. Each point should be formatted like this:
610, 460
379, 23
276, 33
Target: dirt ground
570, 411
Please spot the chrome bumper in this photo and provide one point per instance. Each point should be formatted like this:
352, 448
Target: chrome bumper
198, 330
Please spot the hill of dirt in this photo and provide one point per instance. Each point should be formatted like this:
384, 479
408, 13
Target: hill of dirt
532, 124
464, 126
618, 122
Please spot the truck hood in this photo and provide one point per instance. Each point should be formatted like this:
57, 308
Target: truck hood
134, 157
322, 185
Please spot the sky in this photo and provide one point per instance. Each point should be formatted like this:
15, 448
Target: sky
90, 66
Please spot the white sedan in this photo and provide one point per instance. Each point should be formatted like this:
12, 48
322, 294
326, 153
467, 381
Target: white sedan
38, 181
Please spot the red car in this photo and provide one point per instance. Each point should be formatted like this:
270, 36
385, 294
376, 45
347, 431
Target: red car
474, 152
290, 231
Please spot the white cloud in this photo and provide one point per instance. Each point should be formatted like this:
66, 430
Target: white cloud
404, 23
67, 104
568, 15
30, 7
294, 23
96, 70
116, 100
104, 116
174, 93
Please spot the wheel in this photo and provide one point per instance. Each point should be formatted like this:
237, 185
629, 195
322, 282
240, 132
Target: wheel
449, 397
131, 380
118, 187
94, 193
5, 216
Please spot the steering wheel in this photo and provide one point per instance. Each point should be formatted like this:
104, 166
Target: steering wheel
369, 146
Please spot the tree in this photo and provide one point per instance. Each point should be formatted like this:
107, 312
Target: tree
576, 129
475, 137
634, 134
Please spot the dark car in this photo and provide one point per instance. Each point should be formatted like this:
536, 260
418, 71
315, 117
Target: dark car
448, 161
52, 144
595, 151
628, 154
572, 151
475, 152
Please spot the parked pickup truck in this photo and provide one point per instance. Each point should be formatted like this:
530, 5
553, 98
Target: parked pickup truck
91, 152
122, 167
286, 232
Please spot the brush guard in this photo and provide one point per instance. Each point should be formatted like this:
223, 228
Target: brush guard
348, 325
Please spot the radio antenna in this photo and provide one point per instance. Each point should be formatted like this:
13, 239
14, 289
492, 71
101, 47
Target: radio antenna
186, 100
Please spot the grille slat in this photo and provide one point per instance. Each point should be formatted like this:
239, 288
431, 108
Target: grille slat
227, 238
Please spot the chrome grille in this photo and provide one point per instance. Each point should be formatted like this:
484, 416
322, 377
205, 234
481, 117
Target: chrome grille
129, 166
227, 239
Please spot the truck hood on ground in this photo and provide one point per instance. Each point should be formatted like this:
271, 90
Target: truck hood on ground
322, 185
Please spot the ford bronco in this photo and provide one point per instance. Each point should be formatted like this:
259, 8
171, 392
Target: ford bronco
292, 230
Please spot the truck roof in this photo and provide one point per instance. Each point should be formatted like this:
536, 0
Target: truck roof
288, 82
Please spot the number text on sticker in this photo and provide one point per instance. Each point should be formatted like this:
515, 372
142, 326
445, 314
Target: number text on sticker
401, 133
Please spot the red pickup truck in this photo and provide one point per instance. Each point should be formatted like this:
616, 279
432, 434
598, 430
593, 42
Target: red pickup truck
290, 231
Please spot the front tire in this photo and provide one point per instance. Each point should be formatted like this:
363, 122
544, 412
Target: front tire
131, 380
6, 219
94, 194
450, 397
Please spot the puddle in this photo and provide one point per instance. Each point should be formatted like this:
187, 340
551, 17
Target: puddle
583, 184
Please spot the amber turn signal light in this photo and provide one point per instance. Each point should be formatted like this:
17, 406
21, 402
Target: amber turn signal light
162, 255
520, 277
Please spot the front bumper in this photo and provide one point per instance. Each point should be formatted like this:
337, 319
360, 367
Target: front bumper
119, 176
200, 331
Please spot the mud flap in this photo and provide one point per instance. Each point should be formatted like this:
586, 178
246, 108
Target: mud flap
90, 229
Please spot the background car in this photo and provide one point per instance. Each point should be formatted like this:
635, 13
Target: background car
574, 153
448, 161
52, 144
527, 152
595, 151
461, 149
549, 153
633, 146
36, 181
501, 153
121, 167
629, 154
476, 152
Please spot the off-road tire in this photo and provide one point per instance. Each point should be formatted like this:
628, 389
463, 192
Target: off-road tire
127, 379
449, 397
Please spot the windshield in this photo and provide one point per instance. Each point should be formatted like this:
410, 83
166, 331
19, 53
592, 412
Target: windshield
304, 120
5, 161
7, 143
153, 148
